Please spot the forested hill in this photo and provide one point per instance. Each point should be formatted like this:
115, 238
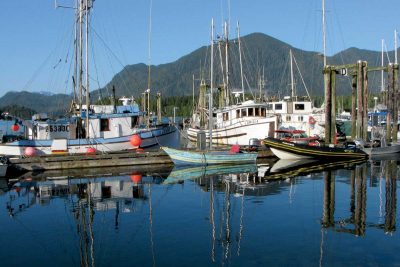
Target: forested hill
261, 54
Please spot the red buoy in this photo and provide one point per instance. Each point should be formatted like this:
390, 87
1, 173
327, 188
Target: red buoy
91, 150
30, 151
15, 127
136, 140
136, 178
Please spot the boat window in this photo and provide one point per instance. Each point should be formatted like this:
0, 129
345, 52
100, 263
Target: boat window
278, 106
104, 125
257, 112
299, 107
238, 113
134, 121
288, 118
263, 112
251, 112
300, 118
244, 112
225, 116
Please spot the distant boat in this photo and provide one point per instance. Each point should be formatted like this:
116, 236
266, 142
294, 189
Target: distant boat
192, 157
190, 173
288, 150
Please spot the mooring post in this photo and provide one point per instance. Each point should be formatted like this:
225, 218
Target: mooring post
395, 101
389, 101
359, 99
328, 102
333, 106
353, 107
365, 101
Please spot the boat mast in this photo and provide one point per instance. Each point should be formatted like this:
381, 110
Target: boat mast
210, 104
80, 54
227, 63
149, 68
87, 67
382, 62
240, 60
395, 46
324, 31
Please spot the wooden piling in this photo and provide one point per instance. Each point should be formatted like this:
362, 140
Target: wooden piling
353, 106
395, 101
389, 101
365, 101
359, 99
333, 107
328, 101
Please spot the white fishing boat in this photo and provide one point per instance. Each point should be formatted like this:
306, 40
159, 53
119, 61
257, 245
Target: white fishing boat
233, 121
89, 128
297, 112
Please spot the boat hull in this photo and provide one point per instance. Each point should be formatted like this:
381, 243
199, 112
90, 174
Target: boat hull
394, 148
287, 150
187, 157
149, 137
239, 133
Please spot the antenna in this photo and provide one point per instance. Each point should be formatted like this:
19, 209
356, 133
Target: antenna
324, 30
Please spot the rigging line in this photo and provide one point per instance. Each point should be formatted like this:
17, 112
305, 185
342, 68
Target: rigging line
95, 68
109, 60
387, 54
301, 76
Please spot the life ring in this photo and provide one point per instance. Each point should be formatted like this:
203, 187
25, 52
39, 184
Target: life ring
311, 120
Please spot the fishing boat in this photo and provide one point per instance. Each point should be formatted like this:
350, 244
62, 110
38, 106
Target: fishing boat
89, 128
234, 119
288, 150
193, 157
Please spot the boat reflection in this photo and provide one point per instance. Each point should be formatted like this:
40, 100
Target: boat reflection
178, 175
111, 188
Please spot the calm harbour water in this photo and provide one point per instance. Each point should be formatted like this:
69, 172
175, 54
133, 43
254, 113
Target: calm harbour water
225, 217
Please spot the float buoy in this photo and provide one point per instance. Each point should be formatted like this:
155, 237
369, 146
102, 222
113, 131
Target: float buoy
136, 140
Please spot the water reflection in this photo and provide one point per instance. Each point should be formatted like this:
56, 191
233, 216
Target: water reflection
356, 223
214, 215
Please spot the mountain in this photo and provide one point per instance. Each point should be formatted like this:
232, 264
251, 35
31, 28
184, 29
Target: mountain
261, 54
262, 51
54, 105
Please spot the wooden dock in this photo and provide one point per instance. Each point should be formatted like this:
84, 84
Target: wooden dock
114, 159
59, 162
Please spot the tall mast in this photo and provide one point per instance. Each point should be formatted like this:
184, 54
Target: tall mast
291, 74
227, 63
76, 51
382, 62
210, 104
149, 68
87, 68
395, 46
240, 60
80, 54
324, 31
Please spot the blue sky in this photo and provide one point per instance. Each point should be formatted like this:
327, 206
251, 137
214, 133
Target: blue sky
36, 38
